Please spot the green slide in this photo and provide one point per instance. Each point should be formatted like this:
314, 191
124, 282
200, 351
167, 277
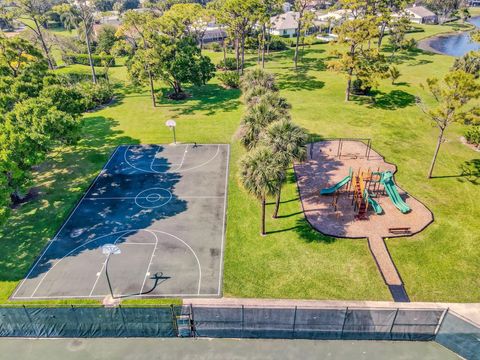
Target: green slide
375, 205
392, 192
334, 188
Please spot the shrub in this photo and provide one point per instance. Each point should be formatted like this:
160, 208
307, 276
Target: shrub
70, 78
277, 44
106, 39
216, 47
359, 89
470, 63
230, 79
95, 94
82, 59
67, 99
472, 135
410, 44
228, 64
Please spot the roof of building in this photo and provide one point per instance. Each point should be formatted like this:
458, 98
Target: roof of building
421, 11
285, 21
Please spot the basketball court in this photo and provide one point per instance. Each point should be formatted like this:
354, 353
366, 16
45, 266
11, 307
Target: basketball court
152, 224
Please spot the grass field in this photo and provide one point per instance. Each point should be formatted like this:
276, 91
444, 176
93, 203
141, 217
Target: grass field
293, 261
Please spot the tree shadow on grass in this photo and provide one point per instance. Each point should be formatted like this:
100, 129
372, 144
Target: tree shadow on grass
298, 80
469, 172
61, 181
307, 233
408, 55
395, 99
209, 98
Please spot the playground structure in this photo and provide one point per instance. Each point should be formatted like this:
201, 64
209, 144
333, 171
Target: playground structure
347, 190
363, 187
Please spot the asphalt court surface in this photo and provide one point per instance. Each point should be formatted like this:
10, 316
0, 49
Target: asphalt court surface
163, 207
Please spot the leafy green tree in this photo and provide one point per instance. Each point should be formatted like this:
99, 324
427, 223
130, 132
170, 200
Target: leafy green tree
32, 14
186, 20
22, 69
29, 132
175, 61
239, 17
358, 60
106, 39
444, 8
4, 190
67, 99
470, 63
287, 141
266, 10
125, 5
452, 97
394, 74
465, 14
384, 10
140, 30
300, 7
398, 31
104, 5
259, 173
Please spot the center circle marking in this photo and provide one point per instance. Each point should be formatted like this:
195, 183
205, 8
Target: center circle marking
153, 198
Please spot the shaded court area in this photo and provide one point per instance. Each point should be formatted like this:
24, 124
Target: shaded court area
161, 208
135, 348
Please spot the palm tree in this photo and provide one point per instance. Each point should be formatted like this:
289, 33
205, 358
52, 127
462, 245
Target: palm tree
287, 141
259, 173
258, 78
259, 115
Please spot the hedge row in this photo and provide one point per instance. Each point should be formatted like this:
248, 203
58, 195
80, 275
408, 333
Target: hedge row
82, 59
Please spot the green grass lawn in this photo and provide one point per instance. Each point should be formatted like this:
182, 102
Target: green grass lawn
293, 261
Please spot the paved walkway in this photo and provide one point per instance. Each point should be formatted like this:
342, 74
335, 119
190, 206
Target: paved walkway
387, 268
384, 261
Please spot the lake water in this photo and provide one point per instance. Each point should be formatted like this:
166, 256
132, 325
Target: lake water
457, 44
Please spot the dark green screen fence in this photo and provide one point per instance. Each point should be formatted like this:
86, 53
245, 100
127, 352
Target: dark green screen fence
88, 321
308, 323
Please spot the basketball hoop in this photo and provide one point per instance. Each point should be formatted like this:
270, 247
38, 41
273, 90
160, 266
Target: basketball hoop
171, 124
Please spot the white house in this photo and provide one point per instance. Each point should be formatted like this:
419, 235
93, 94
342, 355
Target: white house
328, 21
421, 15
284, 24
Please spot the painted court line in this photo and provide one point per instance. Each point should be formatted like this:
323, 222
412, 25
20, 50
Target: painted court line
220, 276
103, 266
149, 263
103, 296
145, 197
123, 234
183, 159
178, 169
65, 223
